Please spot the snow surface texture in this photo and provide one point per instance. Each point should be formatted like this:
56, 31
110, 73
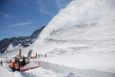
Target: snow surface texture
79, 42
10, 47
82, 35
4, 72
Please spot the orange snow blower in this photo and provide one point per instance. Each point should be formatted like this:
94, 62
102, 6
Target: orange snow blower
21, 63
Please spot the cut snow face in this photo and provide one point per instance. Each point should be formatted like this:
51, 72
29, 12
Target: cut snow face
84, 20
85, 31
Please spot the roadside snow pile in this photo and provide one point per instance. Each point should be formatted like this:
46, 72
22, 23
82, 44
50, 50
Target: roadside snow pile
81, 36
69, 71
43, 73
48, 69
97, 61
5, 72
89, 23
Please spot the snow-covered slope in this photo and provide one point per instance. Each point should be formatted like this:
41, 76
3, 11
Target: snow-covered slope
81, 20
79, 42
10, 47
82, 35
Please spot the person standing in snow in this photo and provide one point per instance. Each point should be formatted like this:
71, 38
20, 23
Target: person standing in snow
1, 63
45, 55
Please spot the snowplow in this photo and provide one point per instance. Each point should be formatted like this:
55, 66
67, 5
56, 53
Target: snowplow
22, 63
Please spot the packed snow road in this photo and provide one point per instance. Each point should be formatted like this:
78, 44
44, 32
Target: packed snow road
47, 69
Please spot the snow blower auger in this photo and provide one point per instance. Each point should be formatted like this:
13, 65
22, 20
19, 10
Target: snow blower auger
22, 63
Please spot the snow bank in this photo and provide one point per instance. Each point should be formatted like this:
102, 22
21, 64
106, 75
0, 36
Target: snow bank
5, 72
10, 47
80, 20
99, 62
84, 27
75, 72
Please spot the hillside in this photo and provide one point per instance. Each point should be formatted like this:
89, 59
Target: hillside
24, 41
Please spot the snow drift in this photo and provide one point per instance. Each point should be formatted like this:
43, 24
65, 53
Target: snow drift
82, 35
80, 20
4, 72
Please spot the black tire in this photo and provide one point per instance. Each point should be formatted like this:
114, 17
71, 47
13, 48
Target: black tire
13, 69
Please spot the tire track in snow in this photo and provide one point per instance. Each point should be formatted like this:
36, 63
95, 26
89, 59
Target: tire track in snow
24, 74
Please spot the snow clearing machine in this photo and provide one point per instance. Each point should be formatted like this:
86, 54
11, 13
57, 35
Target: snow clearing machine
22, 63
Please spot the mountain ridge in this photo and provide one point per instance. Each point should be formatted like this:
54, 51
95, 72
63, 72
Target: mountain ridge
24, 41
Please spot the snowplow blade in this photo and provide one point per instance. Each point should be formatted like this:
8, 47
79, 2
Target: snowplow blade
29, 68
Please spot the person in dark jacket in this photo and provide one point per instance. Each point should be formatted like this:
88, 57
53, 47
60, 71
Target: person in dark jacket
1, 63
